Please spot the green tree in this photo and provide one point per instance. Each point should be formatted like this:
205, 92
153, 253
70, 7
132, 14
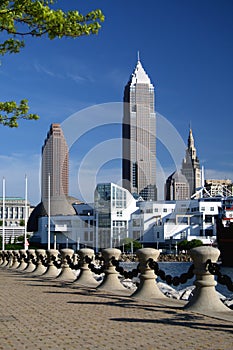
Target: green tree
22, 18
127, 244
22, 222
187, 245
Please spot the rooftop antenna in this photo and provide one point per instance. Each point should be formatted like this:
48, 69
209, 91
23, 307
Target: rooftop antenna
138, 56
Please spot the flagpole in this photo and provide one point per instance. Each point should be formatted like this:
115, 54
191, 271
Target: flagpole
3, 212
26, 214
49, 212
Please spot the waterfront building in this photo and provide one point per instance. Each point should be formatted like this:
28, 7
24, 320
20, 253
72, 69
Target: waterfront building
162, 222
191, 166
16, 212
223, 188
102, 224
76, 231
116, 215
113, 207
139, 136
177, 187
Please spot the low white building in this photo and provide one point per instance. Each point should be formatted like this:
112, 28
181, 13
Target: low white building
163, 221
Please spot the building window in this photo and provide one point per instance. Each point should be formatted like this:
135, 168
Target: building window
156, 210
165, 210
211, 208
86, 236
202, 208
136, 222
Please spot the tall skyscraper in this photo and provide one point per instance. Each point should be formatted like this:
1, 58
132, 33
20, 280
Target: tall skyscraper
139, 136
55, 163
191, 165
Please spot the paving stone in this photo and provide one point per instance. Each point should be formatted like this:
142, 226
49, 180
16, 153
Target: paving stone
37, 314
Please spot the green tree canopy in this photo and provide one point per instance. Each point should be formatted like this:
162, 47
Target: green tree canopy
187, 245
127, 244
22, 18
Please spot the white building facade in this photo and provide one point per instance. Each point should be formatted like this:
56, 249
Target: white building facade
159, 222
16, 213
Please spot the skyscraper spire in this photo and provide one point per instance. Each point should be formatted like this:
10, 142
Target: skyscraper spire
138, 56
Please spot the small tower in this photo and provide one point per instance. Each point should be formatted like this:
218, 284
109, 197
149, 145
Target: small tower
191, 165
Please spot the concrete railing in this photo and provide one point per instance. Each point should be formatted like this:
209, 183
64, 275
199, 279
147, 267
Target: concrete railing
57, 266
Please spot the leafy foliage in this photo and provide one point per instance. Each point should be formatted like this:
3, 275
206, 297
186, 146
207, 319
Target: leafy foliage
21, 18
10, 113
187, 245
127, 244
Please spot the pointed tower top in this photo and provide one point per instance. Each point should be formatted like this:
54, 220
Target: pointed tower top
139, 75
190, 138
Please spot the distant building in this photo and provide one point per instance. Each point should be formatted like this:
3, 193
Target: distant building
191, 166
55, 163
162, 223
16, 212
139, 136
113, 207
103, 224
54, 175
116, 215
177, 187
223, 188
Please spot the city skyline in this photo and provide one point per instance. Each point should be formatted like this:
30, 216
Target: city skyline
188, 56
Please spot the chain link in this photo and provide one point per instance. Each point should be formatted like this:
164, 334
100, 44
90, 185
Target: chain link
175, 281
214, 269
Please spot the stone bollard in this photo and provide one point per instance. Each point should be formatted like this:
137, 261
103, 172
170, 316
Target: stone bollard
148, 287
4, 258
111, 281
31, 255
40, 268
66, 275
205, 299
1, 258
85, 277
15, 262
52, 271
22, 266
9, 259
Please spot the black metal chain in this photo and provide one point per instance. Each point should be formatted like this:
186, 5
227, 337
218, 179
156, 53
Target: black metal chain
43, 260
175, 281
96, 270
56, 263
214, 269
71, 264
125, 273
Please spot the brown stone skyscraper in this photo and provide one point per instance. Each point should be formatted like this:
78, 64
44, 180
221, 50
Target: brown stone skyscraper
139, 136
55, 163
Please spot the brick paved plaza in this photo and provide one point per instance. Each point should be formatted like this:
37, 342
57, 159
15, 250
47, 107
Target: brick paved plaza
38, 314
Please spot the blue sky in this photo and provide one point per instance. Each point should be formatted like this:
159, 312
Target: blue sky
186, 47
